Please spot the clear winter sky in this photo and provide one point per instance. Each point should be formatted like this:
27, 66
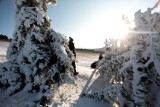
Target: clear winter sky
87, 21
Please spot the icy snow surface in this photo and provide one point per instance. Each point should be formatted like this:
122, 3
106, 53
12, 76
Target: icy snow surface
3, 47
69, 94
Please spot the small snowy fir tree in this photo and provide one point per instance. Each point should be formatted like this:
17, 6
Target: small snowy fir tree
132, 66
38, 57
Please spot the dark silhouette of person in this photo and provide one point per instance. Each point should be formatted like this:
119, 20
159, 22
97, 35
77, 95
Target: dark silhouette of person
72, 48
100, 56
95, 63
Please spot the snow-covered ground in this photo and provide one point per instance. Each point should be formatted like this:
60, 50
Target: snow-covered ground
3, 47
69, 94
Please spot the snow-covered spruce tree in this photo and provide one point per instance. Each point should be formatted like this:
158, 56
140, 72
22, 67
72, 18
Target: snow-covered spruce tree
38, 57
146, 59
133, 72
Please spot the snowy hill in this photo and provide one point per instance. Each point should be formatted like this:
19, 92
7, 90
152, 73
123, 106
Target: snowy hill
100, 49
69, 94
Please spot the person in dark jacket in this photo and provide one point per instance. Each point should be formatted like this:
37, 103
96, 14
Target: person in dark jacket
95, 63
72, 48
100, 56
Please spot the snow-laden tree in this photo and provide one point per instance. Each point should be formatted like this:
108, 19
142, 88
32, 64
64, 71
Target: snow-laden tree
132, 66
39, 59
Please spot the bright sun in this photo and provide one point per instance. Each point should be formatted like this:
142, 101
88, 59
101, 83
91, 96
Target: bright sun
112, 28
95, 33
117, 30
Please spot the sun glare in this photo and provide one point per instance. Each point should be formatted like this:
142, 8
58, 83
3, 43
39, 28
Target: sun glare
118, 30
102, 28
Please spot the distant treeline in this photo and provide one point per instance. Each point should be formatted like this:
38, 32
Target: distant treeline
4, 37
88, 50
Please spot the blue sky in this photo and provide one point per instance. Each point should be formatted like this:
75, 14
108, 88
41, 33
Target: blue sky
87, 21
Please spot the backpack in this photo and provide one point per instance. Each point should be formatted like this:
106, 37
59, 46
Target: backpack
94, 64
